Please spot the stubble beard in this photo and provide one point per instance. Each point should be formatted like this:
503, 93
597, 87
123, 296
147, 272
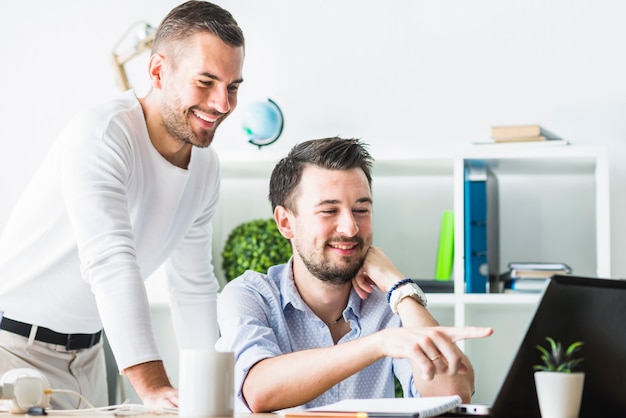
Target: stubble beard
179, 127
332, 272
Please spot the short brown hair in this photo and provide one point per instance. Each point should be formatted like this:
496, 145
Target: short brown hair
196, 16
331, 153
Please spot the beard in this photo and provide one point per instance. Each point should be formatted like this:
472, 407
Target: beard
179, 127
337, 273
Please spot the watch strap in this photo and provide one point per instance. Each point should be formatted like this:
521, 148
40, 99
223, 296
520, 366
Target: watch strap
406, 289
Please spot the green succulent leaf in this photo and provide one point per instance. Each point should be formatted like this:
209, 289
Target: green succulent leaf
555, 359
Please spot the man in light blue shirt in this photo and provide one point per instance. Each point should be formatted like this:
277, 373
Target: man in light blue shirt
339, 320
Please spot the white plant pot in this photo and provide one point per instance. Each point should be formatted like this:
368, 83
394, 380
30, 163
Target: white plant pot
559, 394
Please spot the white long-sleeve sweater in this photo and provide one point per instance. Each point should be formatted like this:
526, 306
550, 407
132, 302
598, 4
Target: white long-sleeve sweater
102, 213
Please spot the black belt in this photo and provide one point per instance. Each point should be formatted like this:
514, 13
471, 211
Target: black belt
70, 341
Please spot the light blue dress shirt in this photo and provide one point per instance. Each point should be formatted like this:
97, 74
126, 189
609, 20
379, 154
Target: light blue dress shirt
263, 315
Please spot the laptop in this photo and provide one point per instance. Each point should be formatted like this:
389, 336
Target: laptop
572, 308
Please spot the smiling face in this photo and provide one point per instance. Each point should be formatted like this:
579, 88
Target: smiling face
332, 230
199, 86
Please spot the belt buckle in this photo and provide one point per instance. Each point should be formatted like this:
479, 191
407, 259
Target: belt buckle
71, 342
80, 341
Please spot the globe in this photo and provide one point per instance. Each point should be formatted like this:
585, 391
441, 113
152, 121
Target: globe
263, 122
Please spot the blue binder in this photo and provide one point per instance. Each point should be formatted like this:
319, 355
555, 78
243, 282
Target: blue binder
475, 189
482, 249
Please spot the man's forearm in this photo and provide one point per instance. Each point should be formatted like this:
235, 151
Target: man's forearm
296, 378
148, 378
412, 314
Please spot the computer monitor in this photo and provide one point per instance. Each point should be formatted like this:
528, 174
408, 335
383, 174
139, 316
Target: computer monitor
571, 309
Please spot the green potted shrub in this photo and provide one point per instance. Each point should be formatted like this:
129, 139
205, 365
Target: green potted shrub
254, 245
559, 386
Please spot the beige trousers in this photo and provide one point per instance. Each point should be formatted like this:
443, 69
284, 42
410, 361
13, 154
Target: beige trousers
81, 371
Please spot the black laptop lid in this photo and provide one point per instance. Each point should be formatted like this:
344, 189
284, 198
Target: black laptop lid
572, 309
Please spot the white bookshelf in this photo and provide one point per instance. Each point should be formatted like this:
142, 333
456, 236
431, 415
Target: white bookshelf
553, 206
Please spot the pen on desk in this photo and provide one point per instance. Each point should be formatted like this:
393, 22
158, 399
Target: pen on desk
329, 414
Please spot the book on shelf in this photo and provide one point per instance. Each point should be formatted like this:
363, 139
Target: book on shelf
527, 285
521, 133
538, 265
537, 269
530, 276
535, 274
525, 143
516, 286
525, 139
427, 406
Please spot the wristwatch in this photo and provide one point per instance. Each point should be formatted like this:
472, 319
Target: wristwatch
407, 290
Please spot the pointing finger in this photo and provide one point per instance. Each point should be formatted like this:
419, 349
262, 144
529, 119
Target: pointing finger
466, 333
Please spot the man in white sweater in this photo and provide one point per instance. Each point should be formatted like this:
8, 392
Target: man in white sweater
127, 186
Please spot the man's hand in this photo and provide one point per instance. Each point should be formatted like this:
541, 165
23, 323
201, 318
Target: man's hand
377, 270
432, 349
152, 385
439, 366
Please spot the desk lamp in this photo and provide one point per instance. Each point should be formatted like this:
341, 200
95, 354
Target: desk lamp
137, 39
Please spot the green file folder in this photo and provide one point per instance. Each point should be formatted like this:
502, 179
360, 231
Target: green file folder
445, 252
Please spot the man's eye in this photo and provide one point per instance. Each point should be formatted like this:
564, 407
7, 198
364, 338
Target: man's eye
233, 89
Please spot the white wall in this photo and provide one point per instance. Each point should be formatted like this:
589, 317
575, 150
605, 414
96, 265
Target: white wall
404, 75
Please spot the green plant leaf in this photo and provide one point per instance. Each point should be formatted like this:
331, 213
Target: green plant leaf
254, 245
556, 359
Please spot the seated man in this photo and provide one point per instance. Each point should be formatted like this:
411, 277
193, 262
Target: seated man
339, 319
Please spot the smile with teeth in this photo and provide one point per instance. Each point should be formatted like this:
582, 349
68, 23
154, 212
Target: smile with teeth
343, 246
204, 116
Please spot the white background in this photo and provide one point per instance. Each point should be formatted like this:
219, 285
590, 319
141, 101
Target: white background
404, 76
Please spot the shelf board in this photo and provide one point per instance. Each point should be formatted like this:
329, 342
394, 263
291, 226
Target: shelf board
440, 166
449, 299
501, 298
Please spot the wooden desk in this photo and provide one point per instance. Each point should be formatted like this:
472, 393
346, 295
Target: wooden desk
92, 414
138, 414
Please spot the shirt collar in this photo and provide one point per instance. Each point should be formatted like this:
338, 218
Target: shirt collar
288, 291
291, 296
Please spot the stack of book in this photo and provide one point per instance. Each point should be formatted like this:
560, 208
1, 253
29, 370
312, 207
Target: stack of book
530, 277
523, 133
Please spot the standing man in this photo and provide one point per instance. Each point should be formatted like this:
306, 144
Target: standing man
339, 319
127, 186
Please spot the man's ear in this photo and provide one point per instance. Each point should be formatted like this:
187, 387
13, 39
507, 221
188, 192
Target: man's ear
282, 216
156, 67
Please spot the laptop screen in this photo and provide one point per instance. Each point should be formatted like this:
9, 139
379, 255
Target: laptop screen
574, 309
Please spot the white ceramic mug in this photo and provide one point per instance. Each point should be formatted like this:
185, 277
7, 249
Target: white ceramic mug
206, 383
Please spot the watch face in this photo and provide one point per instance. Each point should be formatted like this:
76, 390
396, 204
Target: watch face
422, 296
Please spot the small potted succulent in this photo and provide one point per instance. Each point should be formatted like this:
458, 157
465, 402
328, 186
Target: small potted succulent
559, 386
